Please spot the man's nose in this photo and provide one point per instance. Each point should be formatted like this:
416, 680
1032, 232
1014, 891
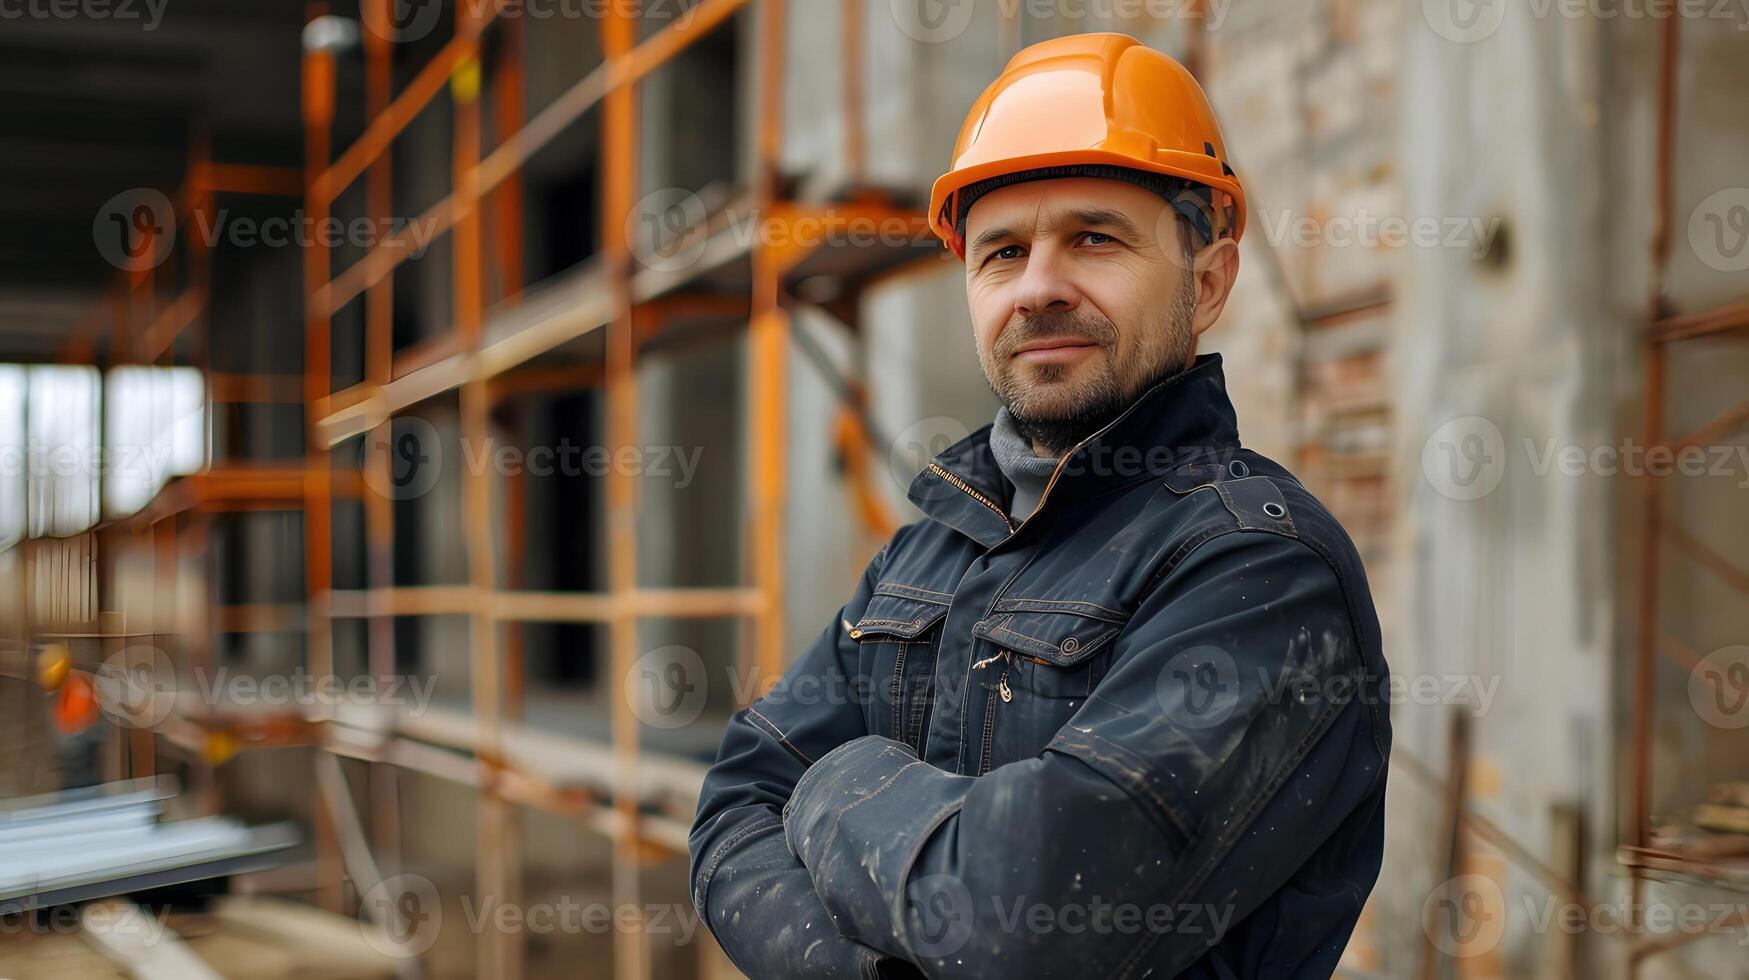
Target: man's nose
1046, 286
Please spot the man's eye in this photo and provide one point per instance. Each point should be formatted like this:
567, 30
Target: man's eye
1098, 238
1007, 252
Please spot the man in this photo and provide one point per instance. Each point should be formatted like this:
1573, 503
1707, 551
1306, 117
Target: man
1111, 709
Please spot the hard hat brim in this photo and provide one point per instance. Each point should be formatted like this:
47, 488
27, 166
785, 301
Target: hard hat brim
1201, 169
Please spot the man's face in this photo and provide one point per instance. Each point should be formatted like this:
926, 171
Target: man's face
1081, 293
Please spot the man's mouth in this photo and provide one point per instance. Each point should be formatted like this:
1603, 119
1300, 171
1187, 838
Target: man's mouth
1056, 350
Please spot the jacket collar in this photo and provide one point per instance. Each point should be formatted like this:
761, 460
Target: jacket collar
1178, 420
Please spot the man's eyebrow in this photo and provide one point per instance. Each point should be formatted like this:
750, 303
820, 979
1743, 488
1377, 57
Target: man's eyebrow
1104, 217
1108, 217
990, 237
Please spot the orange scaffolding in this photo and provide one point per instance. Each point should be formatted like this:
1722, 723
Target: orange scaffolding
1666, 328
642, 802
146, 330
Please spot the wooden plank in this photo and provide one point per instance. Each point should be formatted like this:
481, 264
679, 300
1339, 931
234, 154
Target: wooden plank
138, 942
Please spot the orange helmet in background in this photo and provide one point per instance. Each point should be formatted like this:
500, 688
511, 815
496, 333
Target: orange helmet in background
1097, 101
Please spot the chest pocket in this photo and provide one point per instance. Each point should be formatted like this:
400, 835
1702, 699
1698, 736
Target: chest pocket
1043, 658
898, 637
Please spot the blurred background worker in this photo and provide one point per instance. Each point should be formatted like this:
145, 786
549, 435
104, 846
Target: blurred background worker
425, 428
1148, 647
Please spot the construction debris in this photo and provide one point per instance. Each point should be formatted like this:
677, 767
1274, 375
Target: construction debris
104, 841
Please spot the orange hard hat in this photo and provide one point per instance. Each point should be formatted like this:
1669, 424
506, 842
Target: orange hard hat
1097, 100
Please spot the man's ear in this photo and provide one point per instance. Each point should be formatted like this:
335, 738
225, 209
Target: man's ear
1215, 269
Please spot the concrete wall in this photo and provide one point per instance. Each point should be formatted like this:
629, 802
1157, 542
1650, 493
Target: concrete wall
1527, 154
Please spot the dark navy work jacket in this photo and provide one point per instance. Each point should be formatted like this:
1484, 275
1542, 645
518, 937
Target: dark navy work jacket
1140, 734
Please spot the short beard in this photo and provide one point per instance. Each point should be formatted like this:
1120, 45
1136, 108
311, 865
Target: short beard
1107, 398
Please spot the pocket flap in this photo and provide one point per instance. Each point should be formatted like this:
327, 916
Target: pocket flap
889, 614
1061, 631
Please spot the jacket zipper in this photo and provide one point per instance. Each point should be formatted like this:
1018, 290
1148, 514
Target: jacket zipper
1002, 691
980, 498
990, 705
898, 694
989, 731
975, 495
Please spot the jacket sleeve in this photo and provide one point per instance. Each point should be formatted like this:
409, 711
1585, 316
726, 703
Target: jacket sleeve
749, 889
1223, 747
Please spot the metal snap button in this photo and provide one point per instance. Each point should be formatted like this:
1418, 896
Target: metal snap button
1239, 470
1069, 644
856, 634
917, 622
1275, 510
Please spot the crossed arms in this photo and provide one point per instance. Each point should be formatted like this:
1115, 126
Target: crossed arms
821, 850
